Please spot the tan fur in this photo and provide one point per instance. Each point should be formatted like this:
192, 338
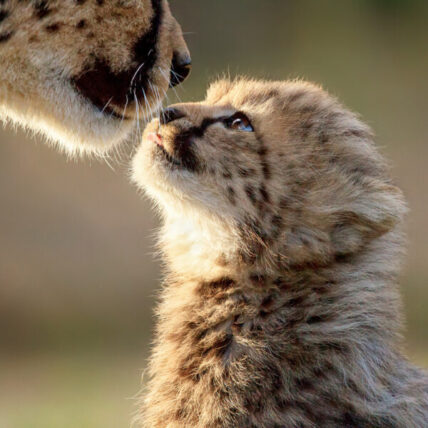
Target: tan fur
280, 306
46, 45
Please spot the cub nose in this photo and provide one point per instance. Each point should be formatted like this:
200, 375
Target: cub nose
170, 114
180, 69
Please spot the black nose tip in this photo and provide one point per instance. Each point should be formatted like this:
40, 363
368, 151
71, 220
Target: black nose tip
180, 69
170, 114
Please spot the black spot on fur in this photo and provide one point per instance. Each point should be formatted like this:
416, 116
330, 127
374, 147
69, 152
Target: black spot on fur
251, 194
297, 301
316, 319
81, 24
222, 344
277, 225
4, 37
226, 174
3, 15
267, 302
53, 28
213, 288
284, 203
262, 151
266, 169
264, 193
242, 172
258, 280
323, 137
41, 8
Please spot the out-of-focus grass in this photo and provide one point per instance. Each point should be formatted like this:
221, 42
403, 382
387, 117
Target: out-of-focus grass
69, 391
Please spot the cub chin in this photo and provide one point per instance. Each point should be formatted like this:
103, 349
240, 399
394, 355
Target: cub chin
282, 237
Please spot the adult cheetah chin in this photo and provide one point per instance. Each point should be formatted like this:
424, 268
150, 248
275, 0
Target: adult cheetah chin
82, 72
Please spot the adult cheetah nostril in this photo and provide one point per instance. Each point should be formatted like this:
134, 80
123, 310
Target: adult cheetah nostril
170, 114
180, 69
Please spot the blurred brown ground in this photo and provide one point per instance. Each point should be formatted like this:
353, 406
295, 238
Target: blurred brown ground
77, 276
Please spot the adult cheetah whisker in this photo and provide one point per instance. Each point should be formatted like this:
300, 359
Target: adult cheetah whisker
137, 112
135, 74
146, 113
107, 104
124, 110
163, 72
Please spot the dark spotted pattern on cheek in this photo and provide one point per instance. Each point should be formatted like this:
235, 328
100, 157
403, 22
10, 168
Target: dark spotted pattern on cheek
106, 88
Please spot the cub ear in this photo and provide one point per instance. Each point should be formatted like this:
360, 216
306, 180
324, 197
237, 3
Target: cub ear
367, 216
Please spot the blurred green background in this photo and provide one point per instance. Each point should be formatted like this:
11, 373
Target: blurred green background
77, 276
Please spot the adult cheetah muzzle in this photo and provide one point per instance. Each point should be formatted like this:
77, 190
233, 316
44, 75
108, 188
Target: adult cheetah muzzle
83, 72
112, 91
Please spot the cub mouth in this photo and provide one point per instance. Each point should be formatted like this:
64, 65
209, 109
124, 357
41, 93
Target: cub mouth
178, 150
160, 150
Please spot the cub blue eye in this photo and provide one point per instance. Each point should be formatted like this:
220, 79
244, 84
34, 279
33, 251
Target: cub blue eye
239, 122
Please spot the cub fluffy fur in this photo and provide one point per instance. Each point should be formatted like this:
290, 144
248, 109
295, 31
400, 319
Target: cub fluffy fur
82, 71
282, 236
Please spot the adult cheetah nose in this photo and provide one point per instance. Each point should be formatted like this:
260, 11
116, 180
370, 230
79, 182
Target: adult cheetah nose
180, 69
170, 114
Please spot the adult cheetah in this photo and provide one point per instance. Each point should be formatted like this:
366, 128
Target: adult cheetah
282, 237
82, 71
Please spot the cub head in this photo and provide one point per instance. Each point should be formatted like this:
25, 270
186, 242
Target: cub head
82, 71
281, 166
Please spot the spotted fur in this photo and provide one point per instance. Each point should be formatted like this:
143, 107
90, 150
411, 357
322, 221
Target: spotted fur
283, 245
82, 71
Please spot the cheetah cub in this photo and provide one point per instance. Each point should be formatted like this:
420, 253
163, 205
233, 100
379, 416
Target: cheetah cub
282, 236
